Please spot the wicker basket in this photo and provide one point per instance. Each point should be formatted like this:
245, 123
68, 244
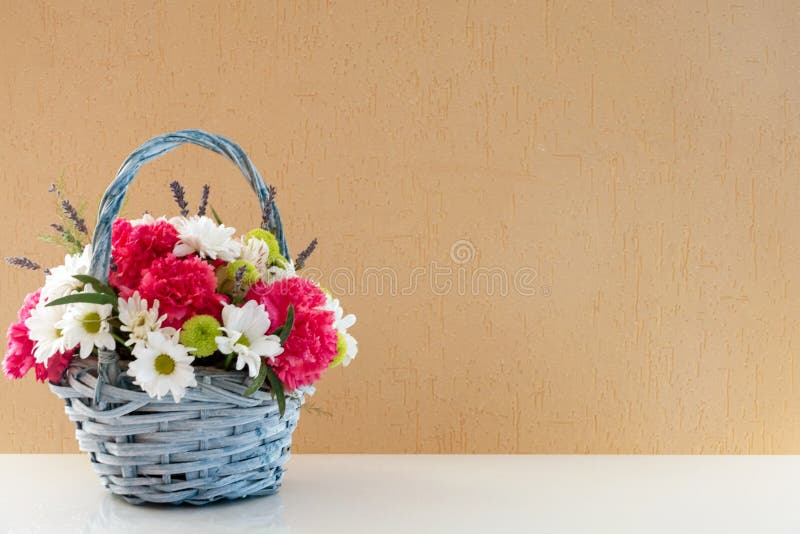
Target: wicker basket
215, 444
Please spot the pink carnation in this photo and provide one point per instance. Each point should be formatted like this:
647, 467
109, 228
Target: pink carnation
19, 357
135, 248
55, 368
184, 287
311, 345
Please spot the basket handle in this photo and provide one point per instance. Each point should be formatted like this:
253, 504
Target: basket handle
108, 361
155, 148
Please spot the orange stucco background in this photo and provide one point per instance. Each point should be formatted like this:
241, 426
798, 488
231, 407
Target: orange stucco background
637, 162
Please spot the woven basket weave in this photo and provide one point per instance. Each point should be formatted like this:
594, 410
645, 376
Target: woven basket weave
215, 444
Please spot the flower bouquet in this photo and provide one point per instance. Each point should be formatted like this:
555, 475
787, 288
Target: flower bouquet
183, 351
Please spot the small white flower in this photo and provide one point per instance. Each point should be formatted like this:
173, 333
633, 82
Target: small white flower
87, 325
256, 252
207, 238
138, 319
276, 273
246, 334
43, 330
173, 334
60, 281
352, 349
341, 323
146, 219
162, 365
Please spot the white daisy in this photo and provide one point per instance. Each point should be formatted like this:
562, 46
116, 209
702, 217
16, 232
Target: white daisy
341, 323
256, 252
162, 365
207, 238
138, 319
60, 281
43, 330
87, 325
245, 331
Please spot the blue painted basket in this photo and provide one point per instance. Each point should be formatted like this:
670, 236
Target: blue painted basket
215, 444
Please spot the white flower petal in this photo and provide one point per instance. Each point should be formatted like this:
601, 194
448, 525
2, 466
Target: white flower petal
252, 321
43, 330
61, 281
209, 240
155, 384
352, 349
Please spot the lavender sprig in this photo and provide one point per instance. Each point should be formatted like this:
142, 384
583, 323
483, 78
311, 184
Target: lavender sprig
303, 256
180, 197
70, 226
201, 211
23, 263
266, 214
238, 279
72, 215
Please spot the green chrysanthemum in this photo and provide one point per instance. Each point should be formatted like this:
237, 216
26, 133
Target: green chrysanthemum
251, 274
271, 241
199, 333
341, 350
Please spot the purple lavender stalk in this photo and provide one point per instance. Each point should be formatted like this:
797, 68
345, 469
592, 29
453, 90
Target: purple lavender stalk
303, 256
23, 263
72, 215
201, 211
180, 197
266, 214
238, 279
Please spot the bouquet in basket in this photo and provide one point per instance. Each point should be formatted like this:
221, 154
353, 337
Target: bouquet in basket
181, 348
181, 293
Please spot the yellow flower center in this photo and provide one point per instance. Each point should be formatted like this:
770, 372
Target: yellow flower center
164, 364
140, 321
243, 341
91, 322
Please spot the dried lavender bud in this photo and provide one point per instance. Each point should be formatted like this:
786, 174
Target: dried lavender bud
57, 227
47, 272
204, 201
52, 188
266, 214
23, 263
72, 215
180, 197
238, 279
303, 256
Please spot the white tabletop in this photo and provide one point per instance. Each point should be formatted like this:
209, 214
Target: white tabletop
368, 493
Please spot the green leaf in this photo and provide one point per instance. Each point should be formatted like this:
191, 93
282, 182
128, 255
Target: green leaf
283, 331
91, 298
216, 215
258, 381
276, 386
96, 284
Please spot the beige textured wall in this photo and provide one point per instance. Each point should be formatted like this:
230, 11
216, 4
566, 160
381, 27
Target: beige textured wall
642, 160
